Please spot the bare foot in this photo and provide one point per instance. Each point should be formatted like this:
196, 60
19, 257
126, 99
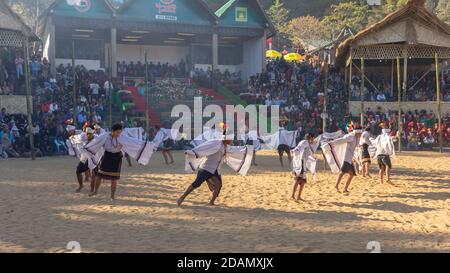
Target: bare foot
91, 194
337, 189
346, 192
79, 189
113, 198
211, 204
180, 201
301, 199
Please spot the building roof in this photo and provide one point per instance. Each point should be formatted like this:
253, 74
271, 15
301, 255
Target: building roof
228, 4
414, 9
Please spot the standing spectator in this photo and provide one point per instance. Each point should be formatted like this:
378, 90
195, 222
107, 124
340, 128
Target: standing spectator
19, 65
35, 68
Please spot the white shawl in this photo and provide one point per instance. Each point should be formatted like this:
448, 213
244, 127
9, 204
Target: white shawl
238, 158
338, 150
273, 141
165, 134
75, 143
304, 157
206, 136
137, 133
384, 144
252, 135
140, 150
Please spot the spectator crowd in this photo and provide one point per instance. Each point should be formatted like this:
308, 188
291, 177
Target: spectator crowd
298, 88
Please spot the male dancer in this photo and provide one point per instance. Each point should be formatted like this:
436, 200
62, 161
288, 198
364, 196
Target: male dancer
365, 155
207, 159
164, 135
339, 154
213, 151
302, 154
385, 149
83, 165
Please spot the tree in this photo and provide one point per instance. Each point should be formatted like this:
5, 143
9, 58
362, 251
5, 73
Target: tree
29, 9
306, 30
354, 14
279, 16
443, 10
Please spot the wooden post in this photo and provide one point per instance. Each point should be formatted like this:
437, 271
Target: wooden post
361, 92
392, 77
110, 59
325, 96
147, 121
399, 107
350, 72
28, 96
438, 101
405, 74
74, 87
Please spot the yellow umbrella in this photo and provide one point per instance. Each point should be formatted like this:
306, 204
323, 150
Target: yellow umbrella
294, 57
272, 54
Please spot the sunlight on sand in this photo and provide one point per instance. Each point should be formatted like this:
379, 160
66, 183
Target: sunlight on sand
41, 213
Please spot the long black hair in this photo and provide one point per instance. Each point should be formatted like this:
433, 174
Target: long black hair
116, 127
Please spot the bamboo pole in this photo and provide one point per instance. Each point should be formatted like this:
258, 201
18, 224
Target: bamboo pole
74, 87
147, 118
361, 92
392, 78
438, 101
350, 72
110, 87
399, 107
325, 96
28, 97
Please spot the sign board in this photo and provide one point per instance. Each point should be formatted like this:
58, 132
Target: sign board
167, 10
241, 14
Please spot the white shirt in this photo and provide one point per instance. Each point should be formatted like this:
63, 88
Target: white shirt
213, 162
365, 139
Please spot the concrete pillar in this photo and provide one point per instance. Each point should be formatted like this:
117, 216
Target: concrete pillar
215, 51
52, 47
113, 64
264, 49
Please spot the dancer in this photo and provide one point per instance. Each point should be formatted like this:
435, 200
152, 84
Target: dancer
339, 155
165, 136
365, 143
110, 147
207, 159
384, 150
251, 138
83, 165
283, 141
304, 161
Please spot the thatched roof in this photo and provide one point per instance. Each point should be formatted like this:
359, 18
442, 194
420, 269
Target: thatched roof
9, 20
414, 10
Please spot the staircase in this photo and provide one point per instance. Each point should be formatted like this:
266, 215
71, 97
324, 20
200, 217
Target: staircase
141, 106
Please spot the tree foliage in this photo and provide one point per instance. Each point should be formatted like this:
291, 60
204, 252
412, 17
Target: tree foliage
29, 9
306, 30
353, 14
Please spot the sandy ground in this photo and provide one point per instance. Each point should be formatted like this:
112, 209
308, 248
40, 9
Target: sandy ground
39, 211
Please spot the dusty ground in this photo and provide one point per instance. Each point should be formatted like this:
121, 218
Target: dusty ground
39, 211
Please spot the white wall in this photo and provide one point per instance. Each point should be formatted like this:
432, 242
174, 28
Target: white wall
222, 68
253, 58
155, 54
88, 64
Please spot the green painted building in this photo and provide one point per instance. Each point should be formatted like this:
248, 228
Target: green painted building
230, 36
